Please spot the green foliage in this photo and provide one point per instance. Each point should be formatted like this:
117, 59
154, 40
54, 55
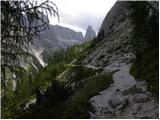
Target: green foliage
145, 42
80, 72
78, 105
91, 46
146, 68
21, 22
60, 104
146, 26
59, 101
48, 107
14, 101
66, 56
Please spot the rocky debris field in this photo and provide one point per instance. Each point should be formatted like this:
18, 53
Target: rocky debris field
125, 98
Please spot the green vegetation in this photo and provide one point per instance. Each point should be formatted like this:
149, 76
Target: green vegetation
66, 56
146, 44
57, 98
22, 21
146, 30
64, 87
146, 68
59, 103
76, 73
13, 99
77, 106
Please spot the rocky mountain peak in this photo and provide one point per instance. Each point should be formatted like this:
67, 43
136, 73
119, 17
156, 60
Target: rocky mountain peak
67, 33
90, 33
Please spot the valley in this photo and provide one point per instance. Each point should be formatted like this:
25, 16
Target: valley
111, 75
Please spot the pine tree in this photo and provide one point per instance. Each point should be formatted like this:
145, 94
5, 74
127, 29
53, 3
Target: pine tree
21, 22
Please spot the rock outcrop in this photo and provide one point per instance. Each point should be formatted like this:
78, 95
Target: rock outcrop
67, 33
126, 98
90, 33
67, 37
116, 46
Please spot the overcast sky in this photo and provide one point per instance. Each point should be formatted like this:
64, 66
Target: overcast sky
78, 14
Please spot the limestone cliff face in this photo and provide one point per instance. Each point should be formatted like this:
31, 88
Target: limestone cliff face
67, 33
90, 33
67, 37
119, 30
116, 46
117, 17
56, 37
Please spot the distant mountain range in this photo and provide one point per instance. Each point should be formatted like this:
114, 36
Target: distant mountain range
58, 37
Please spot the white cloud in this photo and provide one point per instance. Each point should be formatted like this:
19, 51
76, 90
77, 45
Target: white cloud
81, 13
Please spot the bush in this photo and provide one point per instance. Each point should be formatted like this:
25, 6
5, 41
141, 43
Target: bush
146, 68
77, 106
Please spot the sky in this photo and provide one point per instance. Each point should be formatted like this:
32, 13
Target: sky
78, 14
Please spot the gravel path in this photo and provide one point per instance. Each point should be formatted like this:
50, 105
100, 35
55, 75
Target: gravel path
125, 98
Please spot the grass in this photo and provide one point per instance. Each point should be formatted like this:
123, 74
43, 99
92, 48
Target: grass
146, 68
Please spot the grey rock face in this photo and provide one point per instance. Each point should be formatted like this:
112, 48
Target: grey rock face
59, 37
90, 33
54, 38
67, 37
125, 98
67, 33
141, 98
116, 17
46, 44
116, 46
47, 41
49, 34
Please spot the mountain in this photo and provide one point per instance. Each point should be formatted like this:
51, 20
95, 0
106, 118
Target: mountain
67, 37
45, 45
67, 33
115, 75
48, 39
54, 38
90, 33
118, 31
127, 43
